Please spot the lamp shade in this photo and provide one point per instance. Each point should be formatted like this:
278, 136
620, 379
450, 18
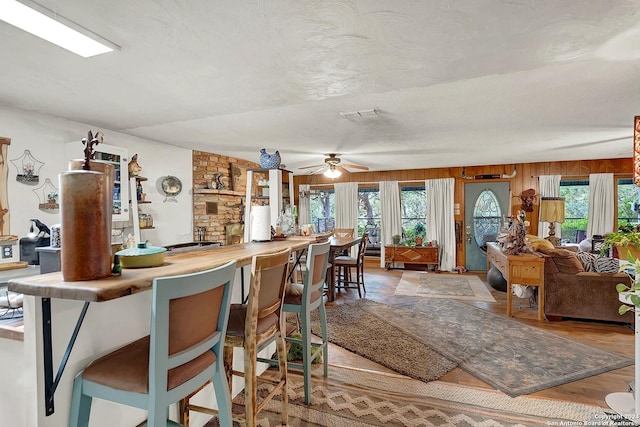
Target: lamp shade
552, 209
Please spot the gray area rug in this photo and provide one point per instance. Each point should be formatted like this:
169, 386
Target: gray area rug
510, 356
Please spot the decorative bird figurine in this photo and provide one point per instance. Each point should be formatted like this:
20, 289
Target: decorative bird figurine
269, 161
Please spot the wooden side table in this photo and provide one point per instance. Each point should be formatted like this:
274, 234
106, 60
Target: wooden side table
421, 255
519, 269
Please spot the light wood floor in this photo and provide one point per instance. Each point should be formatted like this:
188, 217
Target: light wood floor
381, 284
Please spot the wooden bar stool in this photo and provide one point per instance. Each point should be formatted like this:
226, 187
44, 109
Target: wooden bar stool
253, 326
183, 352
302, 300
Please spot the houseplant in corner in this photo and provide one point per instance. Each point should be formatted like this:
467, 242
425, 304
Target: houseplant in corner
626, 240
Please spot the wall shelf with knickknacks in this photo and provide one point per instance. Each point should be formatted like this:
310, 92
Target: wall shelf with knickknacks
144, 221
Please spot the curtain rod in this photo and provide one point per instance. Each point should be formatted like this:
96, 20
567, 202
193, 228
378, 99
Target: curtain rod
368, 182
582, 176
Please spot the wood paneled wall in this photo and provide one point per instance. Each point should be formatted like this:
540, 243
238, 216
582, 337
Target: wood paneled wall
526, 178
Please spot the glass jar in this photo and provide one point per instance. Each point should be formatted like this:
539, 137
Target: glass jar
142, 220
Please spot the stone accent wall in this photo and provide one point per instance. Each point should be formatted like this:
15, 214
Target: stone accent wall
219, 189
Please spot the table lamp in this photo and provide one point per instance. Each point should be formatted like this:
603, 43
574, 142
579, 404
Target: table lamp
552, 211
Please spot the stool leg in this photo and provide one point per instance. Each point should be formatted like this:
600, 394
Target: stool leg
306, 355
227, 354
223, 397
250, 386
282, 367
325, 340
80, 405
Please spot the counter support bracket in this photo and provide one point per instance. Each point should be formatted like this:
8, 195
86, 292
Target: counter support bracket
51, 384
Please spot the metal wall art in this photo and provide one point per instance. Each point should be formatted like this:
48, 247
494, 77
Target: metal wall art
28, 168
48, 195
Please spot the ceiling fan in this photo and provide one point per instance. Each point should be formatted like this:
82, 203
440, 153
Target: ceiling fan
334, 166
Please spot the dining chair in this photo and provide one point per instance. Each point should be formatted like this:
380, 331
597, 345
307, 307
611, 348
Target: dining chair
252, 327
189, 321
343, 232
302, 299
344, 264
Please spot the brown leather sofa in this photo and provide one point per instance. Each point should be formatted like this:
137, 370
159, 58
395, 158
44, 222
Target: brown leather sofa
571, 292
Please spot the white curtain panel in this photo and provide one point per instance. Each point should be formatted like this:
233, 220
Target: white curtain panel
346, 205
549, 187
440, 219
601, 196
304, 211
346, 208
390, 214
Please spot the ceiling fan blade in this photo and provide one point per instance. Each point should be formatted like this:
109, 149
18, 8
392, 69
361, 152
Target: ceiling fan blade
317, 170
311, 167
342, 169
364, 168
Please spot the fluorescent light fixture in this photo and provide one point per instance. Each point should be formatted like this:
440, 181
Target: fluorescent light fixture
332, 172
361, 113
48, 25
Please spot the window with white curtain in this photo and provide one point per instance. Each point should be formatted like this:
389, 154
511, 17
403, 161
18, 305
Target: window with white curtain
576, 209
369, 217
413, 205
322, 206
628, 202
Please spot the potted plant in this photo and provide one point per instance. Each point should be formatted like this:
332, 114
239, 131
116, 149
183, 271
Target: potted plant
419, 230
631, 293
626, 239
414, 235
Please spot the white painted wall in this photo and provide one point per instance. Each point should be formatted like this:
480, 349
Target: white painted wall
12, 383
44, 136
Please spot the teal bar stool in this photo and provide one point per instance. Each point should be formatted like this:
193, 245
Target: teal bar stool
184, 351
302, 299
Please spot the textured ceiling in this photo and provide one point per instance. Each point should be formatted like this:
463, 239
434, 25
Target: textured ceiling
457, 82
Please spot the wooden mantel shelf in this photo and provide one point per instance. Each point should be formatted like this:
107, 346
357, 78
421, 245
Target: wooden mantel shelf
210, 191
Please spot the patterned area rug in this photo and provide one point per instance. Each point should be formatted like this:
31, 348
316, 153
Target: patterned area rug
454, 286
350, 397
510, 356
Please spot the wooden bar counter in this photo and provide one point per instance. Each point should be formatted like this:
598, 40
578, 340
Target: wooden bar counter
72, 323
136, 280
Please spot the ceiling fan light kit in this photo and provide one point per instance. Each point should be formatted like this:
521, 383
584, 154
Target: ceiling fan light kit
334, 166
332, 172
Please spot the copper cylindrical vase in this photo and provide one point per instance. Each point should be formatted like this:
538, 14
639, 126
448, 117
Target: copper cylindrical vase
98, 166
85, 210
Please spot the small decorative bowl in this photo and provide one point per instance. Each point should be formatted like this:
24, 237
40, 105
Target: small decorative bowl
142, 256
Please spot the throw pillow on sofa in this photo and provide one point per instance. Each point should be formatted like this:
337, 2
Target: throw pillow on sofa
566, 261
607, 265
588, 260
536, 242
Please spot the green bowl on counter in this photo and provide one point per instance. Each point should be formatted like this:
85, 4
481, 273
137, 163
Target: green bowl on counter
142, 256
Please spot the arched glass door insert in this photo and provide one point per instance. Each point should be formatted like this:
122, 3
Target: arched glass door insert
487, 219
